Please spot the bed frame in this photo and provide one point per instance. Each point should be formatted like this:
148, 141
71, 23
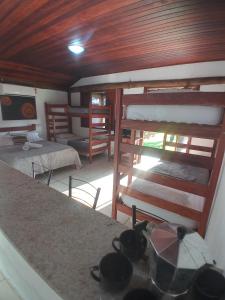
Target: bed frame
18, 128
213, 163
59, 120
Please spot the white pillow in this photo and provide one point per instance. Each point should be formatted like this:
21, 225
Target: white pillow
6, 140
33, 136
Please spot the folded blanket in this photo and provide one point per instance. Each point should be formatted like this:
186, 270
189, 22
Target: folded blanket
27, 146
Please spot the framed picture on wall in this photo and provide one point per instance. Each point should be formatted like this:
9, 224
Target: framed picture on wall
17, 107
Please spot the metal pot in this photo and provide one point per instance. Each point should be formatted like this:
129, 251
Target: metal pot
176, 254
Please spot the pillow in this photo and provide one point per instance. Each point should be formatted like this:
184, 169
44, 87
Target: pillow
6, 140
33, 136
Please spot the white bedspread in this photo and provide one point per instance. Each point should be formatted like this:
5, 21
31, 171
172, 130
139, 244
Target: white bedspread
51, 155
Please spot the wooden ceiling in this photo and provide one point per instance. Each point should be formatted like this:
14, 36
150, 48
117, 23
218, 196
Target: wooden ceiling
118, 35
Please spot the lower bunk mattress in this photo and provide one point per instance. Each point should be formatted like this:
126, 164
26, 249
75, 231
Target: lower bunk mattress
82, 145
180, 171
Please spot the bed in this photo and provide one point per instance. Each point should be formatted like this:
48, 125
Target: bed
51, 155
177, 182
174, 170
59, 127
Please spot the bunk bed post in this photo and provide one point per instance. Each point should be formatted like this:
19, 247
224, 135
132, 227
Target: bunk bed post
118, 136
131, 156
47, 121
109, 131
90, 132
69, 116
215, 173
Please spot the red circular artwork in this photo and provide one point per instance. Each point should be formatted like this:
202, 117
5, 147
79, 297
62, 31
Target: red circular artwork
6, 101
28, 111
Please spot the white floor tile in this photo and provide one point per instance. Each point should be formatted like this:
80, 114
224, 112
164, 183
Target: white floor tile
7, 292
59, 186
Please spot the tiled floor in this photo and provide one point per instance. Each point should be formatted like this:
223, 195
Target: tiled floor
100, 174
7, 292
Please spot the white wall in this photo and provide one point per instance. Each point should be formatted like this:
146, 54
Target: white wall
215, 234
42, 96
171, 72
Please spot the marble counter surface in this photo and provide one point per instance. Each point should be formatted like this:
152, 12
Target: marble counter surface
59, 238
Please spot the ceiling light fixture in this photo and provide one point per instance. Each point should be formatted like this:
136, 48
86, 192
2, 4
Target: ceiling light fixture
75, 48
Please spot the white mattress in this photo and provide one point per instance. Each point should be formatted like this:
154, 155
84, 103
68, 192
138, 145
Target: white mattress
176, 170
175, 113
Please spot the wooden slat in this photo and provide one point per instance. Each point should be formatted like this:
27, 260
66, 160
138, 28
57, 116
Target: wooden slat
197, 160
164, 204
100, 149
99, 107
99, 142
98, 124
57, 114
172, 182
98, 115
100, 133
61, 127
190, 147
61, 120
179, 98
18, 128
194, 130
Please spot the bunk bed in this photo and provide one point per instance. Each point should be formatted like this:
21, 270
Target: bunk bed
179, 185
59, 127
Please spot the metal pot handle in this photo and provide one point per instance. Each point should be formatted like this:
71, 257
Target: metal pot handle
114, 241
93, 270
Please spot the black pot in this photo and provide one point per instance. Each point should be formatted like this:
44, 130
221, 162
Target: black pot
140, 294
131, 244
209, 284
114, 272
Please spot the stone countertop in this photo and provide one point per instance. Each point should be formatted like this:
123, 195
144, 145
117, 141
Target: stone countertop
60, 238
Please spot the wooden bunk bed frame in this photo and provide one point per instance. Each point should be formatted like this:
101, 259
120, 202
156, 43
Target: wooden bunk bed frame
212, 163
59, 120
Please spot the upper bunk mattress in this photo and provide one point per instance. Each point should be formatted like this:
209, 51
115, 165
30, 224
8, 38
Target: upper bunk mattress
85, 110
175, 113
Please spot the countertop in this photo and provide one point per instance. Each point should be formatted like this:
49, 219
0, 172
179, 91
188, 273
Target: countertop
59, 238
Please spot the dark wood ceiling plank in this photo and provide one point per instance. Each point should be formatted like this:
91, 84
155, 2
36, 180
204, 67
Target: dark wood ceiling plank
17, 73
118, 36
78, 19
145, 36
20, 11
125, 20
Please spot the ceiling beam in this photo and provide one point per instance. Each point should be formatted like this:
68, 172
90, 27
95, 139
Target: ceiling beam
170, 83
